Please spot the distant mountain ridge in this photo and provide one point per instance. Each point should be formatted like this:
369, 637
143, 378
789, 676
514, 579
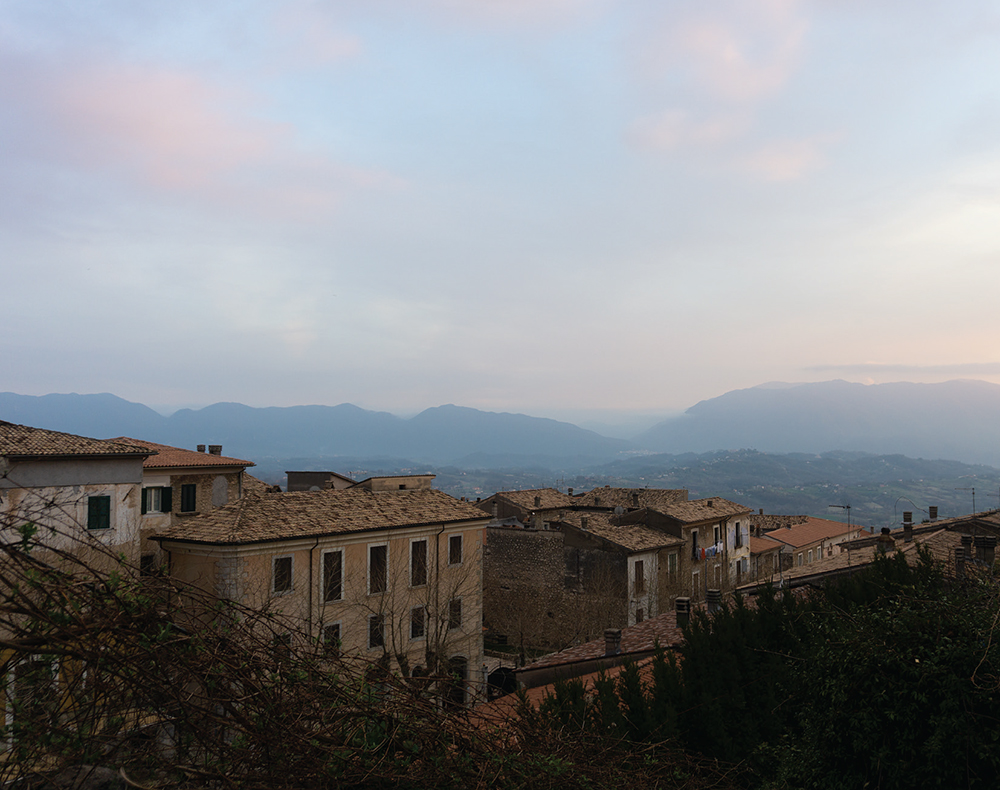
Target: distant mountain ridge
439, 434
954, 419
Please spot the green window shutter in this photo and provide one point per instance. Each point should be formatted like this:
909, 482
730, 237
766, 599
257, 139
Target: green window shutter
166, 499
145, 499
99, 512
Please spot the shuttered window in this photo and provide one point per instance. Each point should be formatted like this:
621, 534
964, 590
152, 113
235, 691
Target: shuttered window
99, 512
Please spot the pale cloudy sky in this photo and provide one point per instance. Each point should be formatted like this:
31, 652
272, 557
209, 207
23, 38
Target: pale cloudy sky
548, 206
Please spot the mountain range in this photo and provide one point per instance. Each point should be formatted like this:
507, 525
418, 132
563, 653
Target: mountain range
954, 420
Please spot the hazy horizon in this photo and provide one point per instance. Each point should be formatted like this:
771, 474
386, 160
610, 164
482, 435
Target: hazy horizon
553, 207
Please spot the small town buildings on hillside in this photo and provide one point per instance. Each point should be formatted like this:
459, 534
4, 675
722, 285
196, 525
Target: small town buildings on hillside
179, 484
609, 498
389, 570
79, 491
810, 539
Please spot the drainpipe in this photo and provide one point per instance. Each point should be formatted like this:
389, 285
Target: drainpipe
311, 593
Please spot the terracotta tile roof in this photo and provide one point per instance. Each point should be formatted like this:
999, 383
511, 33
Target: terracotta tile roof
23, 441
254, 485
767, 521
259, 518
167, 456
525, 499
639, 638
500, 711
812, 530
708, 509
762, 545
634, 537
609, 497
942, 545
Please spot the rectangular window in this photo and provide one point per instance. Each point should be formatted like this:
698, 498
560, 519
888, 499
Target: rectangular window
639, 582
739, 535
333, 575
672, 564
147, 565
418, 620
418, 563
639, 615
99, 512
189, 498
809, 556
455, 550
152, 500
376, 631
716, 535
695, 555
331, 639
800, 558
281, 575
454, 614
378, 569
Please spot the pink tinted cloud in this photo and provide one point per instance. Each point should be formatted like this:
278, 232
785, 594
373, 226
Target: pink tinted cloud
737, 51
676, 128
312, 35
177, 133
789, 160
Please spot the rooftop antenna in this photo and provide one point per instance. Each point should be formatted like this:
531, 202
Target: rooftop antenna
848, 509
973, 490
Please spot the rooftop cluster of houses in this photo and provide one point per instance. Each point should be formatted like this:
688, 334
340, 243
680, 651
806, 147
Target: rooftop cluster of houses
390, 569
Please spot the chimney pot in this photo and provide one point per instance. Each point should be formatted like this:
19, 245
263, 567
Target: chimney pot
571, 491
714, 601
682, 606
932, 511
583, 522
538, 501
761, 511
908, 533
612, 641
907, 517
201, 448
215, 449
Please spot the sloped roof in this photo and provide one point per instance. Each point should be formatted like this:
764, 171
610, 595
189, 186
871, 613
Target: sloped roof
708, 509
769, 521
169, 457
259, 518
525, 499
763, 544
638, 638
812, 530
633, 537
254, 485
26, 442
609, 497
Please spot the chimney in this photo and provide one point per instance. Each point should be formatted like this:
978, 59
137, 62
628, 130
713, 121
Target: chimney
760, 511
907, 517
907, 533
597, 501
960, 562
612, 641
215, 449
538, 501
714, 601
583, 523
201, 448
494, 509
682, 606
635, 499
885, 541
989, 549
711, 503
932, 512
570, 489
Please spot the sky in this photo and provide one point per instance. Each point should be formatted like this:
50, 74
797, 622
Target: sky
566, 208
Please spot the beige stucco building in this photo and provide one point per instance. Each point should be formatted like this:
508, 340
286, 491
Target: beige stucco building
389, 570
79, 492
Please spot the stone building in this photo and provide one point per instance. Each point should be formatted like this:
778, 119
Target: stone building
389, 570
